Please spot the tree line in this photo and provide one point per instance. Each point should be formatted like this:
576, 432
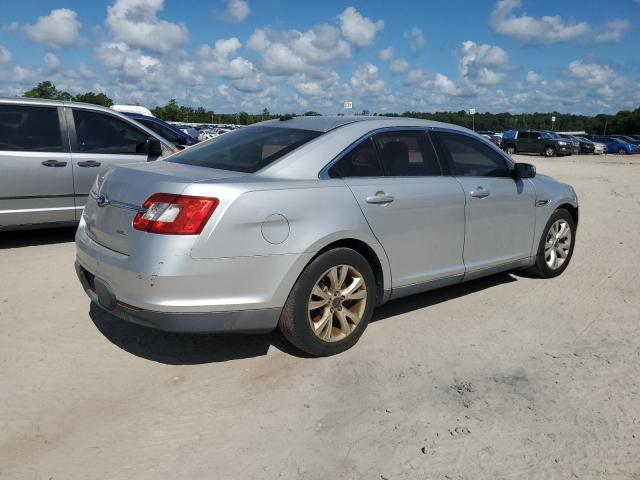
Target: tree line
623, 122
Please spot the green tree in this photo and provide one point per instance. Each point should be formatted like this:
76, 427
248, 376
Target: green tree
95, 98
47, 89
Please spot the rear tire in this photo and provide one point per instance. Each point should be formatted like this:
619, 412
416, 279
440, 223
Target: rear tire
511, 149
555, 248
331, 303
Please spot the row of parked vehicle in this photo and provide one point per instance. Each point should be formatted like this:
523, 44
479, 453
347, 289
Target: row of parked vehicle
551, 144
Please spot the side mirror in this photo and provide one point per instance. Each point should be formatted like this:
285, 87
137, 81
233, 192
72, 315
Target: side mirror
152, 147
524, 170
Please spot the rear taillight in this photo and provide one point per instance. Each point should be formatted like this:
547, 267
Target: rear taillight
172, 214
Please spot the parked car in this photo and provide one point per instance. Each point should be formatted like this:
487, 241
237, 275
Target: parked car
627, 138
493, 138
167, 131
535, 141
51, 151
598, 148
580, 145
310, 223
616, 145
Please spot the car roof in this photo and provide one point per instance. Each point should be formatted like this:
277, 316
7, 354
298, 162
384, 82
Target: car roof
327, 123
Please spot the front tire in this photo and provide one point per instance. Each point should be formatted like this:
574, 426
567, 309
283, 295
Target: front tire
511, 149
556, 245
549, 152
622, 151
330, 304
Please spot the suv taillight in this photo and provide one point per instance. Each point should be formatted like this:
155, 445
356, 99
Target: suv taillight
172, 214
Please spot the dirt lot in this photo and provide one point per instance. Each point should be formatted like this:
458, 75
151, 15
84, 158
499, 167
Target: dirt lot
506, 377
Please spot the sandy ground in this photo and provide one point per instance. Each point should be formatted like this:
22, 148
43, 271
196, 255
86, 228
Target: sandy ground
506, 377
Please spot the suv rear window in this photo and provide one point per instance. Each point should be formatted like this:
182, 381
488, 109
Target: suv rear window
29, 129
245, 149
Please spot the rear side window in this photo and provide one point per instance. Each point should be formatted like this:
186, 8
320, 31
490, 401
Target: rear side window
30, 129
407, 154
245, 149
102, 133
472, 158
362, 161
161, 130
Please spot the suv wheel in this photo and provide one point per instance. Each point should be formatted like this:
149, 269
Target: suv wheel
511, 149
549, 151
331, 304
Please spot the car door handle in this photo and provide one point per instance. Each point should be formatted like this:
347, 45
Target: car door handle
380, 198
54, 163
89, 163
480, 192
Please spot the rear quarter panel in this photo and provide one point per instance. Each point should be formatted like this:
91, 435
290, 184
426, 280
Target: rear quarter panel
303, 217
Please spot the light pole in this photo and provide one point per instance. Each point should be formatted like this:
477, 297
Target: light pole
472, 112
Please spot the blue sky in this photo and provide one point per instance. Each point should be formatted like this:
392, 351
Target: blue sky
228, 55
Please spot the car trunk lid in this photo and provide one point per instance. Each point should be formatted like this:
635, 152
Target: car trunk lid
120, 192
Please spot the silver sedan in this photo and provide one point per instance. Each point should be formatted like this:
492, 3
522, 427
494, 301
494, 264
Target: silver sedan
309, 223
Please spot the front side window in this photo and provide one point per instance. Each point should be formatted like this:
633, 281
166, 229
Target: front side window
245, 149
161, 130
30, 129
407, 154
362, 161
101, 133
472, 158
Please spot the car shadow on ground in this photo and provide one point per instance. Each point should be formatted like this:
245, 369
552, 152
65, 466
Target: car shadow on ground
192, 349
32, 238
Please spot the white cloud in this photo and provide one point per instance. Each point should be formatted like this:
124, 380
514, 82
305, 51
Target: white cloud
22, 75
5, 54
545, 30
415, 36
122, 61
366, 79
614, 31
386, 54
592, 73
61, 28
51, 61
135, 22
533, 77
480, 64
399, 65
215, 60
294, 51
359, 30
236, 11
439, 84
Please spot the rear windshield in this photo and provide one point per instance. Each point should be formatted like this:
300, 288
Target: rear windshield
245, 149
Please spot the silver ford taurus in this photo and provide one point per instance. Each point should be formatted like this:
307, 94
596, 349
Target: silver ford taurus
309, 223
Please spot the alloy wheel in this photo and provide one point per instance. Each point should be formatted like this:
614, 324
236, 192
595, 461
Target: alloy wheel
337, 303
549, 151
622, 151
558, 244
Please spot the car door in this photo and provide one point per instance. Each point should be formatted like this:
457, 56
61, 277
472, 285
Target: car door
524, 142
98, 140
500, 210
415, 212
36, 179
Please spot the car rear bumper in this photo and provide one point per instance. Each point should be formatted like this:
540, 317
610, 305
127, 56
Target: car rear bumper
238, 321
